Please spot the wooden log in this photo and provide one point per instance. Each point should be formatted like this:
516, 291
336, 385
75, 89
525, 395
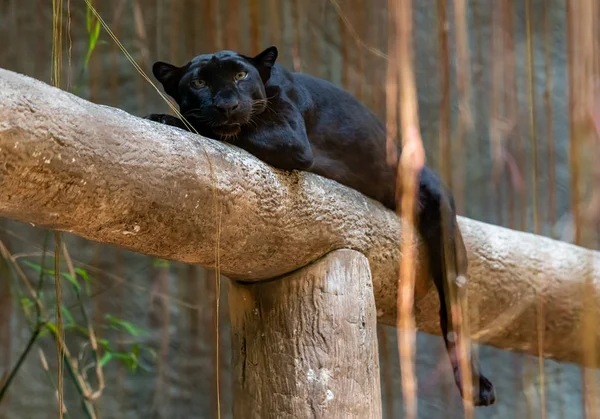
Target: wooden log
305, 345
108, 176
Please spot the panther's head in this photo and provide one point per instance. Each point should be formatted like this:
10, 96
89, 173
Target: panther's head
220, 92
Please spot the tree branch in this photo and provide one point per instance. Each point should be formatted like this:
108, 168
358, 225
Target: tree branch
111, 177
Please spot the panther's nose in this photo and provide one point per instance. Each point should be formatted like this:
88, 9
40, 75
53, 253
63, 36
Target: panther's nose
227, 107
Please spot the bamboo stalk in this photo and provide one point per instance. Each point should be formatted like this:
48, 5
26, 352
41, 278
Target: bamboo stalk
412, 161
444, 153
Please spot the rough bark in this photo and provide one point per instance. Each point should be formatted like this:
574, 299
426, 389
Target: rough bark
108, 176
305, 345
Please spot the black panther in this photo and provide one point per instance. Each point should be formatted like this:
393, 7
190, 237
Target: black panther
296, 121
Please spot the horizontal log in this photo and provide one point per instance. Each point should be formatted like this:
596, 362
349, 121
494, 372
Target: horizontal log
103, 174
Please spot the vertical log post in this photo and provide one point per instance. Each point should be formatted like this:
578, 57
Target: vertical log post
305, 345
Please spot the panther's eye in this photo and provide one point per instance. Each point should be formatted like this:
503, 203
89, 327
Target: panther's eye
241, 75
197, 84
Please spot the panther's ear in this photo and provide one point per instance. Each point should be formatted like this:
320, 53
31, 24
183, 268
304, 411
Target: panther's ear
264, 62
169, 76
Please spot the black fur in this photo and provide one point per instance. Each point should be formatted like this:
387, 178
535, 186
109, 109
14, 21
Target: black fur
295, 121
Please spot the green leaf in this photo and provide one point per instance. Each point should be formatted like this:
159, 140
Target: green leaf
51, 272
160, 263
26, 302
104, 343
136, 350
122, 324
120, 355
89, 16
83, 274
107, 357
67, 314
86, 279
72, 280
130, 360
52, 328
34, 266
133, 362
92, 43
38, 268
